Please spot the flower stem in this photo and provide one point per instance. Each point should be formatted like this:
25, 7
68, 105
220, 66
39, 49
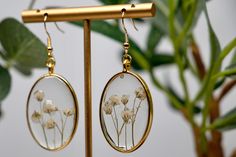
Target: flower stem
133, 121
41, 123
62, 134
54, 133
121, 128
117, 125
44, 134
132, 126
54, 138
126, 136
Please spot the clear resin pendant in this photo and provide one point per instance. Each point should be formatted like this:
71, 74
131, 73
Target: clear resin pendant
52, 112
126, 111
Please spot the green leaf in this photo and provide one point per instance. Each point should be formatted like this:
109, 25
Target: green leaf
161, 59
23, 70
225, 122
219, 83
5, 83
191, 11
196, 109
112, 31
21, 45
232, 65
104, 28
214, 42
233, 60
154, 37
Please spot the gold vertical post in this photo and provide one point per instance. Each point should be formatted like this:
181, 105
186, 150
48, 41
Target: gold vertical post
87, 90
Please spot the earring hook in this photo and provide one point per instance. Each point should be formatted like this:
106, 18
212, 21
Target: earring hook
49, 41
123, 25
50, 63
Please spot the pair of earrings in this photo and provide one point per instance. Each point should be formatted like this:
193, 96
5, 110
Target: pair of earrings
125, 108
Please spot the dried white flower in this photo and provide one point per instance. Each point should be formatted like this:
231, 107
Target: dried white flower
69, 112
50, 124
115, 100
36, 117
125, 99
140, 93
107, 108
49, 107
127, 115
39, 95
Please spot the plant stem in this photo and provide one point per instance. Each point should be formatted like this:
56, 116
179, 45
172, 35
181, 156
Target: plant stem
62, 131
126, 137
227, 88
42, 125
44, 134
62, 124
215, 143
198, 60
165, 90
54, 132
117, 126
54, 138
121, 128
132, 126
133, 121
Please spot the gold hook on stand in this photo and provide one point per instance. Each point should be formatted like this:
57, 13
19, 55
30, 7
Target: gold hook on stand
50, 63
126, 57
49, 41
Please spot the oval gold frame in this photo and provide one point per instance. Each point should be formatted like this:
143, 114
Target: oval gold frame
75, 105
150, 117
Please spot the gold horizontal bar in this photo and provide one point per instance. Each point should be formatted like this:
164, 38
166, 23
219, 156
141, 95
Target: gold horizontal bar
90, 13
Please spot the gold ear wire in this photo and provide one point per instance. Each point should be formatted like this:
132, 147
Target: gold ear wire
123, 25
50, 63
49, 40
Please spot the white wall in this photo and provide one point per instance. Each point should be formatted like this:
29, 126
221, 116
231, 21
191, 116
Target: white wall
170, 135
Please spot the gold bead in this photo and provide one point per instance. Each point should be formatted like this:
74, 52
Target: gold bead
50, 62
126, 45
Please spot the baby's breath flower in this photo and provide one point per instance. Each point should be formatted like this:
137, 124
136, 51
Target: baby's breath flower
127, 115
50, 124
69, 112
39, 95
49, 107
140, 93
125, 99
107, 108
36, 117
115, 100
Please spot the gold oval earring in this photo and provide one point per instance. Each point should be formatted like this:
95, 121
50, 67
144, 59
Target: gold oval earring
126, 108
52, 107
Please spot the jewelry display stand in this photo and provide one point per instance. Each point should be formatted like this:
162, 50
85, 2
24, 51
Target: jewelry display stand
87, 14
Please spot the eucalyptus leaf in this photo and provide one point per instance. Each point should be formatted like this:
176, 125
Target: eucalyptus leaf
21, 45
5, 83
23, 70
225, 122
